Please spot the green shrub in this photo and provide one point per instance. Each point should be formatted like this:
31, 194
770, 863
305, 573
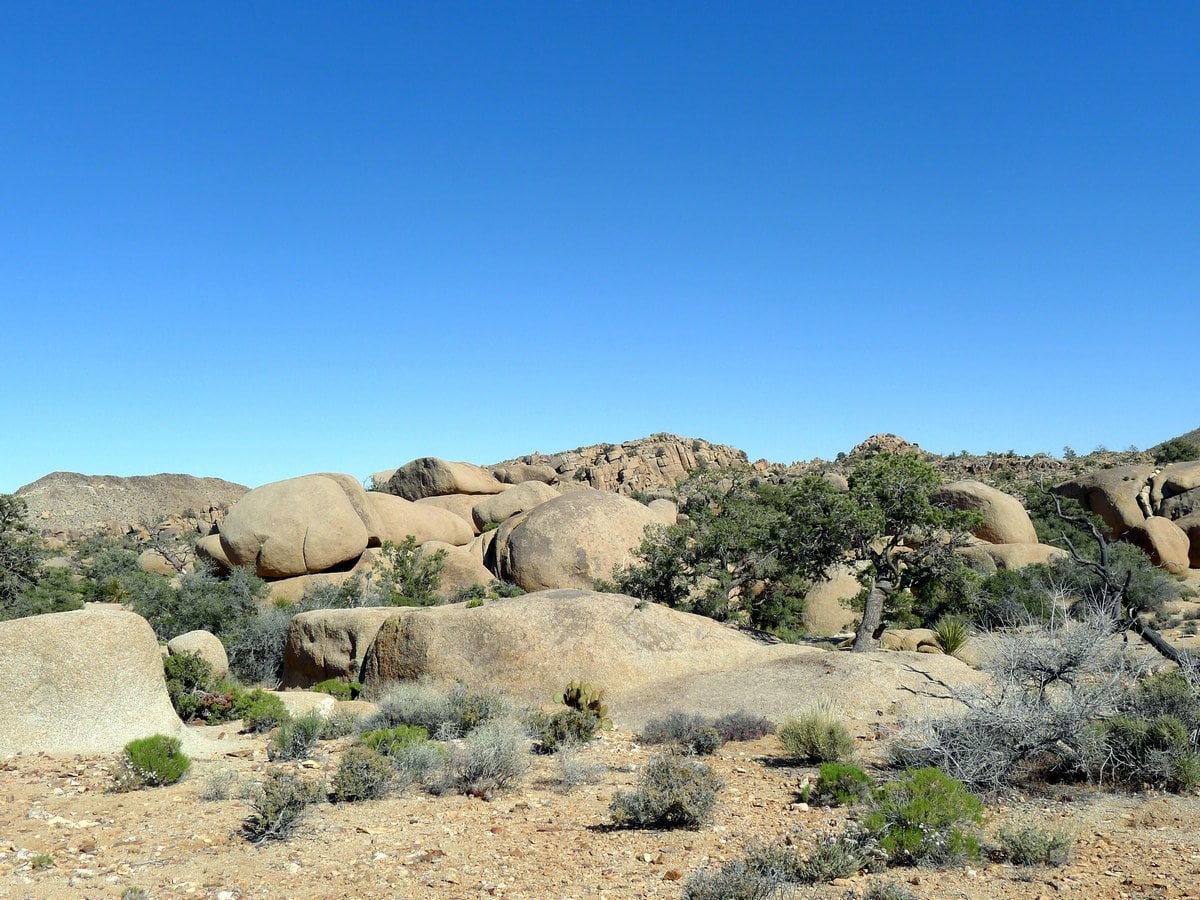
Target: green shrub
335, 687
296, 738
406, 576
1033, 846
418, 763
742, 726
277, 806
736, 880
1176, 450
151, 762
672, 792
952, 633
568, 727
689, 733
491, 758
189, 677
838, 784
925, 817
260, 711
362, 774
390, 741
1137, 750
816, 735
585, 698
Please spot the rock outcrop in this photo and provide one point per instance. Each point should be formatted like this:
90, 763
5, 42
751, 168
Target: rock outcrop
208, 646
1005, 520
430, 477
331, 643
520, 498
570, 541
87, 681
400, 518
68, 505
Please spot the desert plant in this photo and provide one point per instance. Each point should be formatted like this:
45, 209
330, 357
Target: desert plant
444, 715
151, 762
340, 690
817, 735
573, 770
390, 741
491, 758
838, 784
40, 861
742, 726
1176, 450
585, 698
277, 806
218, 786
835, 855
418, 763
406, 576
362, 774
1033, 846
567, 727
952, 633
884, 889
1138, 750
339, 723
296, 738
689, 733
925, 818
672, 792
260, 711
736, 880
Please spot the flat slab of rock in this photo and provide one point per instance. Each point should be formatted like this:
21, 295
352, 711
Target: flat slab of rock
87, 681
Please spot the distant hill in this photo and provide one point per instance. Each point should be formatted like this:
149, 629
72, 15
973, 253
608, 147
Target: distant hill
1192, 437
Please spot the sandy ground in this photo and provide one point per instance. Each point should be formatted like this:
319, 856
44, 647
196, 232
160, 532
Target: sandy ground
534, 842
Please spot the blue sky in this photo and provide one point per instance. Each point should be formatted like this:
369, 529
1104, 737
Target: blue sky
256, 240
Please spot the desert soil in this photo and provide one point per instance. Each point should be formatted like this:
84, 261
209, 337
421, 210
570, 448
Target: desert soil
537, 841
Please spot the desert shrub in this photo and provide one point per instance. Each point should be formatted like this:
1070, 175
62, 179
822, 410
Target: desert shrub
407, 577
1033, 846
491, 758
672, 792
134, 893
1176, 450
690, 733
742, 726
1169, 694
296, 738
443, 714
1048, 687
885, 889
817, 735
835, 855
256, 652
390, 741
218, 786
341, 690
362, 774
1138, 750
585, 698
952, 633
202, 601
838, 784
260, 711
278, 805
419, 763
151, 762
736, 880
339, 723
574, 770
925, 818
496, 590
567, 727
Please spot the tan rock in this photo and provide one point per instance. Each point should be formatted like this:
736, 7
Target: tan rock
1111, 494
61, 692
298, 526
430, 477
909, 639
825, 609
400, 518
1180, 505
1190, 525
1176, 478
519, 473
209, 549
461, 568
1164, 541
155, 564
459, 504
299, 703
571, 541
1017, 556
209, 647
665, 511
331, 643
1005, 520
518, 499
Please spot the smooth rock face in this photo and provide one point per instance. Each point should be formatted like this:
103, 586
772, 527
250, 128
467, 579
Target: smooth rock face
331, 643
517, 499
209, 549
1172, 480
155, 564
1017, 556
430, 477
87, 681
459, 504
533, 645
1190, 525
209, 647
519, 473
1164, 541
824, 609
399, 518
664, 510
1111, 494
299, 526
571, 541
462, 567
1005, 520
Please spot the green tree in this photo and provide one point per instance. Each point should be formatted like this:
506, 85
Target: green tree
1176, 450
21, 553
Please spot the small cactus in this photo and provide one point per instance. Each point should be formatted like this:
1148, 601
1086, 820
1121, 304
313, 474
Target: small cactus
583, 697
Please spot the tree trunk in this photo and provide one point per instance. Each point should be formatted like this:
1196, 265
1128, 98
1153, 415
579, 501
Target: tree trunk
870, 629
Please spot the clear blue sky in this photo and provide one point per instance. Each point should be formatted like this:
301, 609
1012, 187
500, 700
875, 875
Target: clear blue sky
256, 240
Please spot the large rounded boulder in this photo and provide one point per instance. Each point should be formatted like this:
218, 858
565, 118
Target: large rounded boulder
87, 681
1164, 541
570, 541
300, 526
1190, 526
331, 643
400, 518
204, 644
1112, 494
518, 499
430, 477
1005, 520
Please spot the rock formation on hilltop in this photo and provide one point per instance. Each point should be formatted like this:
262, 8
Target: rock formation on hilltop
68, 505
647, 465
